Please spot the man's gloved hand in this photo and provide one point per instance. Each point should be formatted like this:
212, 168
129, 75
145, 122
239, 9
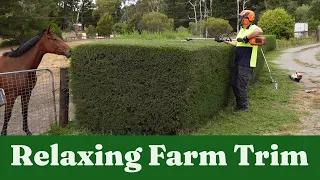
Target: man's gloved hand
245, 39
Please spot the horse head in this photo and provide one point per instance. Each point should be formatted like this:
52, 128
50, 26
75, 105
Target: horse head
53, 44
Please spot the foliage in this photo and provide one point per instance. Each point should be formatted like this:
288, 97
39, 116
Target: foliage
313, 24
193, 28
217, 26
157, 22
105, 25
301, 13
133, 23
23, 19
315, 9
182, 29
120, 28
108, 6
289, 5
277, 22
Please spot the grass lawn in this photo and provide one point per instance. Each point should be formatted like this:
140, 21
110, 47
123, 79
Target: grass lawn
270, 112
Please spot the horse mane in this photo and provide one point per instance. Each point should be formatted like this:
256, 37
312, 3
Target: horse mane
25, 47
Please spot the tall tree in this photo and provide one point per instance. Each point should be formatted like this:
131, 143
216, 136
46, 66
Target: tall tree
22, 19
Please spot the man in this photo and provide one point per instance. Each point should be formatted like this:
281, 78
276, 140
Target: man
246, 59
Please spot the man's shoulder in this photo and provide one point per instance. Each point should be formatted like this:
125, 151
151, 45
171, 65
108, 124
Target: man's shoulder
253, 26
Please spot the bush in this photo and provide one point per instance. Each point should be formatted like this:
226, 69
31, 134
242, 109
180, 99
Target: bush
154, 87
313, 24
133, 23
217, 26
277, 22
91, 32
120, 28
157, 22
182, 29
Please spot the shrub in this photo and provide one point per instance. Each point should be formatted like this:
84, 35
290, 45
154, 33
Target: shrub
120, 28
217, 26
277, 22
182, 29
133, 23
157, 22
91, 32
313, 24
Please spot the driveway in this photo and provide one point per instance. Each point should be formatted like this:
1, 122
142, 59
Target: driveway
303, 60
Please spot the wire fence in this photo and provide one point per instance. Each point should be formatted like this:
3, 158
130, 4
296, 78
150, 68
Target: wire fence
39, 113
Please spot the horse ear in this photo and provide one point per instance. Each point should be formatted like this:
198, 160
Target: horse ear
49, 29
52, 29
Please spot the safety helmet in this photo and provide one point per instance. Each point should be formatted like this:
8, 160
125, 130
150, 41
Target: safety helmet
247, 17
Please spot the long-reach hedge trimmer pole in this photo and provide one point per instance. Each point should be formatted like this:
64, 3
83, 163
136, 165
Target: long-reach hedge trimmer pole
220, 38
272, 80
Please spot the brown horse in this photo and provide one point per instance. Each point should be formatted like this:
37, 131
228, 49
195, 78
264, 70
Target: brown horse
28, 56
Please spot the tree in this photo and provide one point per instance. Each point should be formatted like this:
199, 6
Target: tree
22, 19
277, 22
105, 25
301, 13
177, 10
315, 9
147, 6
108, 6
157, 22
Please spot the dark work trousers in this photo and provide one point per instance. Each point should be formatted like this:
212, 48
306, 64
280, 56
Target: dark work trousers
241, 75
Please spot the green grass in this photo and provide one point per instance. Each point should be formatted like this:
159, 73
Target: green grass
70, 130
269, 111
158, 36
318, 56
294, 42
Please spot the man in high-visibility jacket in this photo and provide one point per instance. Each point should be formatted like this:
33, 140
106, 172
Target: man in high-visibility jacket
246, 59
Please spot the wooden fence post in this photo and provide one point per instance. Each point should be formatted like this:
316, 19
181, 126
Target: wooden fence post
64, 97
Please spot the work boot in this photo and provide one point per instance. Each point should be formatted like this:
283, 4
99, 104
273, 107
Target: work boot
240, 110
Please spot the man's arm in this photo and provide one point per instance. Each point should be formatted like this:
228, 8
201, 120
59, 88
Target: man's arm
233, 43
255, 33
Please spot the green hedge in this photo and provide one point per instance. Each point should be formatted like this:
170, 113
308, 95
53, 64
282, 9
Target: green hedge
138, 87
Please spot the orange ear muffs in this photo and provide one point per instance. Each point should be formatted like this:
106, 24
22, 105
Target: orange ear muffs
246, 21
247, 17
